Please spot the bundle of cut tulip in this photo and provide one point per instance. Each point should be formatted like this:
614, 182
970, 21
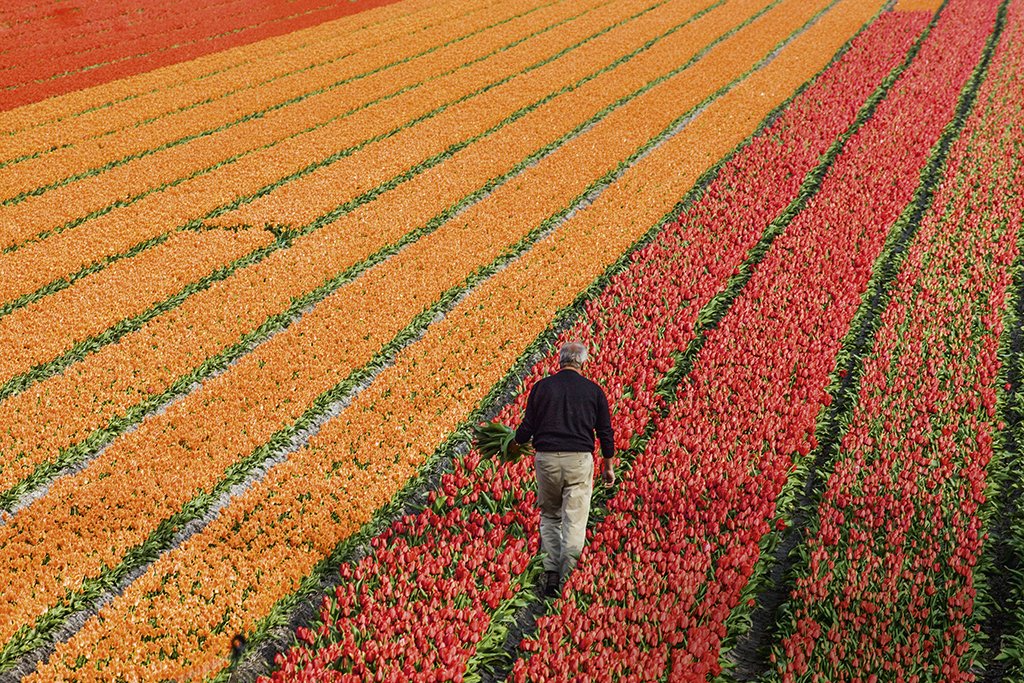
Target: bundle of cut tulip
495, 440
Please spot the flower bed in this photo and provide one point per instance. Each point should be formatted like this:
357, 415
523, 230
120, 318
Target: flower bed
252, 306
224, 433
185, 343
360, 459
669, 565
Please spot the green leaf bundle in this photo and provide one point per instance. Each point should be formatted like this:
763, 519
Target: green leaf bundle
497, 441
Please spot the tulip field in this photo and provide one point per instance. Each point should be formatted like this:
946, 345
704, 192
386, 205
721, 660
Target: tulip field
264, 266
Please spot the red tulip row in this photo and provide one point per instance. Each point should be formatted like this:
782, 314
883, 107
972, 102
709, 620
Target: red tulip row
999, 603
888, 588
73, 53
85, 29
453, 573
666, 569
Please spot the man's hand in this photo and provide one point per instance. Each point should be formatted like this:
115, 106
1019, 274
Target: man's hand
608, 473
515, 451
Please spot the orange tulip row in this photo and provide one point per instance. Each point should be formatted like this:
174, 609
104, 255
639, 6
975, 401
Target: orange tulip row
917, 5
42, 331
267, 539
129, 101
325, 120
344, 142
33, 71
190, 87
54, 150
123, 495
55, 305
306, 198
86, 397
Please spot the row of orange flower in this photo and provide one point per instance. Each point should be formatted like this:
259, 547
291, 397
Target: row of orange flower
144, 214
128, 102
133, 298
329, 186
44, 330
158, 152
174, 344
73, 49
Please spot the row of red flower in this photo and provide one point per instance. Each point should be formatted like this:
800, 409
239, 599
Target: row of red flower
441, 581
70, 48
889, 583
671, 563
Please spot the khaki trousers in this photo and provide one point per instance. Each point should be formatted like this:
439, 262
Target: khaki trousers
565, 482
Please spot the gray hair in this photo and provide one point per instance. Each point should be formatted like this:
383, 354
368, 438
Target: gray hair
572, 353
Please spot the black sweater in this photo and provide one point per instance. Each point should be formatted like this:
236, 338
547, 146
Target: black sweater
563, 412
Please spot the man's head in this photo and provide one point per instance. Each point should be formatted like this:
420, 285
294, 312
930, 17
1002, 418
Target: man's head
572, 355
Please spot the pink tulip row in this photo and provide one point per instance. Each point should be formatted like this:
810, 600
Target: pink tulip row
889, 585
670, 564
420, 604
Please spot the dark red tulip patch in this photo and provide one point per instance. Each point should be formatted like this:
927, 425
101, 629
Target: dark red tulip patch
56, 49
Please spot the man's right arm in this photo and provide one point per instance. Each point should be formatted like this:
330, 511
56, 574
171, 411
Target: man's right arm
529, 424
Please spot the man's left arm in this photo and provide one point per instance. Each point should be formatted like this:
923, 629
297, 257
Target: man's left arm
606, 437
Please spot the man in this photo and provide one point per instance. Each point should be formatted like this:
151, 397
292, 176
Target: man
563, 412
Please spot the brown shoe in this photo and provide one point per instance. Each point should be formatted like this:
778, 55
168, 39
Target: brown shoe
551, 584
